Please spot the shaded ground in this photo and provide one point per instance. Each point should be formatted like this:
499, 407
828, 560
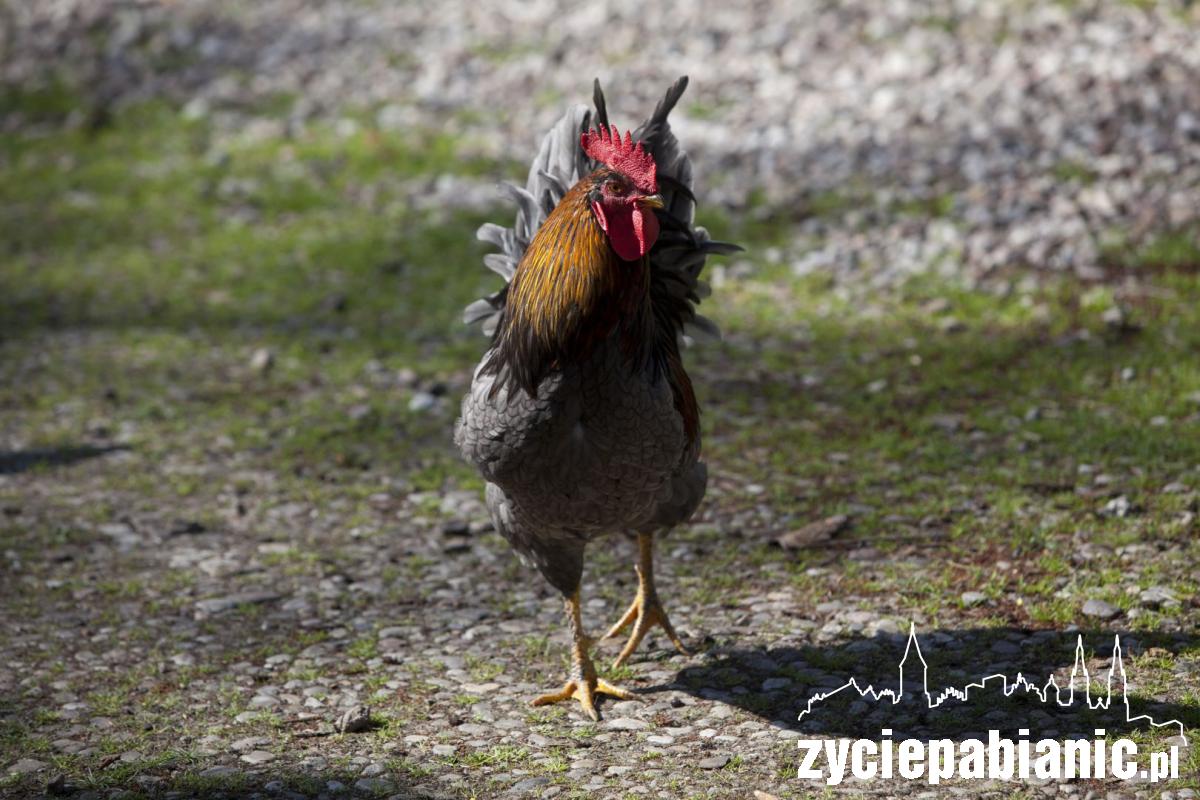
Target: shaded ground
230, 511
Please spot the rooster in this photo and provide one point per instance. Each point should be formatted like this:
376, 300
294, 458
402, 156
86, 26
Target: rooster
580, 417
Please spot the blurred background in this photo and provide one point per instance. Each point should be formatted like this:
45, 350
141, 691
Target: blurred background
959, 380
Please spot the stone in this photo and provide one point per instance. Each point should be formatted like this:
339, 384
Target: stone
951, 325
354, 720
1158, 597
713, 762
812, 534
421, 402
216, 605
1117, 507
257, 757
948, 423
529, 784
26, 766
262, 360
626, 724
372, 786
972, 599
1100, 609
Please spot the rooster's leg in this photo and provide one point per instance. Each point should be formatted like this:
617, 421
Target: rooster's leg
646, 611
583, 685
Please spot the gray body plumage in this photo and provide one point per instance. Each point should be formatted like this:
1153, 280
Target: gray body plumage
602, 447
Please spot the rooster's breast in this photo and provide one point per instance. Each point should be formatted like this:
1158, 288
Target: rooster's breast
595, 451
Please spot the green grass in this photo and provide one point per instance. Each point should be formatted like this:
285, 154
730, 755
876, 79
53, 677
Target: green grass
1069, 171
499, 755
145, 262
169, 246
1174, 251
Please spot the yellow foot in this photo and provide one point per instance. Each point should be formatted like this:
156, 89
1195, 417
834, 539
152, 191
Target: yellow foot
582, 684
643, 614
585, 690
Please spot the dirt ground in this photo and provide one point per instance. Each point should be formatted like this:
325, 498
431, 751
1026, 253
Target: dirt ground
241, 557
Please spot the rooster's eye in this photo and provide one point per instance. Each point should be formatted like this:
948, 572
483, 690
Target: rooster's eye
615, 187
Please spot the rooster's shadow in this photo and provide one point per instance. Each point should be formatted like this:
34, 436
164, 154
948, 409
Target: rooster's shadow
13, 462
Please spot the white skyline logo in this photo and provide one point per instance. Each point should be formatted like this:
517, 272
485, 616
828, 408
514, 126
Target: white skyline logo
1043, 691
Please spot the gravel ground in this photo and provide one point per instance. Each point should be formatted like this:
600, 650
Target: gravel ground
1040, 135
264, 664
195, 620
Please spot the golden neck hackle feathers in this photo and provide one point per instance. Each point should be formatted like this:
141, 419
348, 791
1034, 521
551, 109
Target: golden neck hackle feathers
569, 293
568, 269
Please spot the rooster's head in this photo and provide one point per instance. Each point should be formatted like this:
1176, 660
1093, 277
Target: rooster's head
624, 191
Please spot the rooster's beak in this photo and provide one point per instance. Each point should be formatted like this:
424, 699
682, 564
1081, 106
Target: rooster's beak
651, 201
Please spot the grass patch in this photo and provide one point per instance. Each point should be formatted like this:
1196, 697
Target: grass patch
146, 264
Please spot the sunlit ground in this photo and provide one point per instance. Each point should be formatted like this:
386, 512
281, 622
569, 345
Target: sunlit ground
189, 323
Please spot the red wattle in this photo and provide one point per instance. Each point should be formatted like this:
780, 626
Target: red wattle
645, 224
631, 229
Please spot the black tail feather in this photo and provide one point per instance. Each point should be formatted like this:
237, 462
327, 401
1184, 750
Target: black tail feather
653, 128
598, 101
667, 104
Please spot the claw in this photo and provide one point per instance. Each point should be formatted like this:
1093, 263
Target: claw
646, 611
643, 614
583, 684
585, 692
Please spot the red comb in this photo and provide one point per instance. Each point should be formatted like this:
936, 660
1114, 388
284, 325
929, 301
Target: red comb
606, 146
